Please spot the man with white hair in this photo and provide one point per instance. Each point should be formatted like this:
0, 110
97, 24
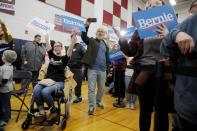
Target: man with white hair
96, 58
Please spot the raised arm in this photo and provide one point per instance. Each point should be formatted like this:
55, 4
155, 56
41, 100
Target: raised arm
133, 48
47, 40
84, 35
72, 44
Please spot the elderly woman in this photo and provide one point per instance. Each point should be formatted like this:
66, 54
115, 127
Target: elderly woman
55, 72
147, 52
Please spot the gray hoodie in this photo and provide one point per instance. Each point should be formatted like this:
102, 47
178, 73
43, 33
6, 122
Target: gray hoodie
34, 54
186, 87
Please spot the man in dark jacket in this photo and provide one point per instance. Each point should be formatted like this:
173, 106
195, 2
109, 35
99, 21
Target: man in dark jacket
181, 44
33, 56
76, 68
96, 57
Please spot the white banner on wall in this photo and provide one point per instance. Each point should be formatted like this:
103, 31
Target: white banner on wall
7, 6
40, 26
112, 36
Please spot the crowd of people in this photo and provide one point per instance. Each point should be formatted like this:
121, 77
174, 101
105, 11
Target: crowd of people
176, 47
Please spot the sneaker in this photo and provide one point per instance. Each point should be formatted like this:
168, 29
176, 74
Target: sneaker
39, 114
100, 105
128, 106
132, 106
91, 110
3, 123
77, 100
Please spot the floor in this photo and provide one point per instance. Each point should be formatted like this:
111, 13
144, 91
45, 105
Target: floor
108, 119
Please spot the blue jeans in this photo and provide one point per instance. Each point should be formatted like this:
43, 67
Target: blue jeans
44, 94
131, 98
94, 77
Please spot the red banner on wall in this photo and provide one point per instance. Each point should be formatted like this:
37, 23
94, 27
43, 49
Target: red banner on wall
7, 6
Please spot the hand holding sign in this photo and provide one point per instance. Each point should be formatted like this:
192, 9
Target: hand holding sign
162, 30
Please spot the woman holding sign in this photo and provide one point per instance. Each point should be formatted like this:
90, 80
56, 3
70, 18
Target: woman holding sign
147, 52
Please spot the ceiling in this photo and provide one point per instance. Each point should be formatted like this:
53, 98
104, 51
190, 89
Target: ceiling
179, 2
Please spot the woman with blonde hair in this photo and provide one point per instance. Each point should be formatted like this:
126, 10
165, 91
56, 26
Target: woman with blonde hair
5, 39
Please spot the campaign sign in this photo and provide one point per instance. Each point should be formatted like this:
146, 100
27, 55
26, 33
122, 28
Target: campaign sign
115, 55
40, 26
130, 31
74, 23
112, 36
7, 6
148, 20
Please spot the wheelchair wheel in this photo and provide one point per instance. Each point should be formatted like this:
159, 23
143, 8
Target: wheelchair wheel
64, 123
27, 122
25, 125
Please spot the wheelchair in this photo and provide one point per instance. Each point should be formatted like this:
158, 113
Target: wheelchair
62, 117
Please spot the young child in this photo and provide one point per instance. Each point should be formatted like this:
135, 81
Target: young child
6, 86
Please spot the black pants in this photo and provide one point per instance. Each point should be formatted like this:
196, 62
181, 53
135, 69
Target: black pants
78, 76
181, 124
119, 83
146, 95
5, 106
34, 80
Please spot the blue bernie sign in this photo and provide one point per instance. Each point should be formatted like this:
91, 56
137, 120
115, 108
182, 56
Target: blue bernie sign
130, 31
115, 55
148, 20
74, 23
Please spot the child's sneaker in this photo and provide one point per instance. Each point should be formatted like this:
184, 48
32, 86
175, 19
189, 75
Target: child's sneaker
3, 123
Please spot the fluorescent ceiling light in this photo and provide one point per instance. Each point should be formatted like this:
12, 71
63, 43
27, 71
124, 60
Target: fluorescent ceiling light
172, 2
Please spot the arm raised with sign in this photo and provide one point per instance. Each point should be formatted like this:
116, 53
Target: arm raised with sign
84, 35
47, 40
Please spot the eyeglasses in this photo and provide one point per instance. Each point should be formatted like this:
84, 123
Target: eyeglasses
57, 46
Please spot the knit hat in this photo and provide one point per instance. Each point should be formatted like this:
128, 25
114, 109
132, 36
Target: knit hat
10, 56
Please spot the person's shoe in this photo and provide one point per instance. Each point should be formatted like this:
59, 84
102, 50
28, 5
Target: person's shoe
77, 100
39, 114
132, 107
100, 105
128, 106
91, 110
3, 123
